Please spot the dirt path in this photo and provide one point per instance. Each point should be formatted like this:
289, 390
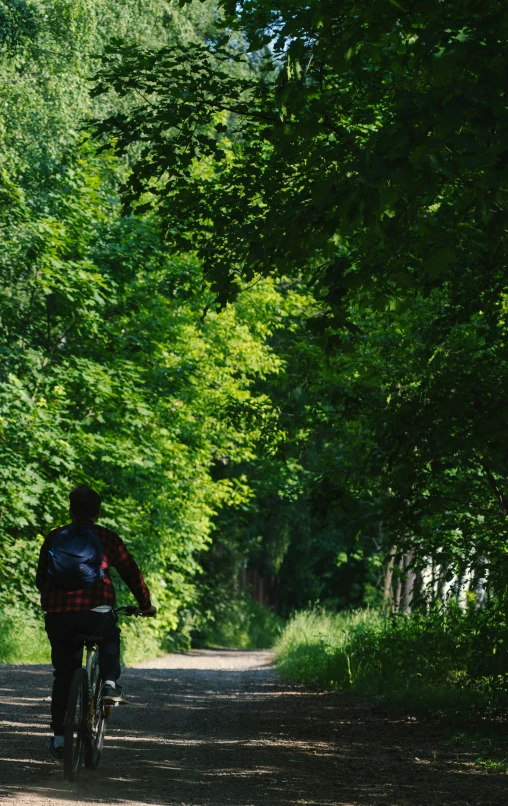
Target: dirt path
218, 728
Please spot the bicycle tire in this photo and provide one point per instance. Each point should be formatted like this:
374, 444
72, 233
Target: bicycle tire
93, 748
75, 731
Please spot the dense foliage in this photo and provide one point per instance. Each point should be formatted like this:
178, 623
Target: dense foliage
110, 373
254, 289
373, 157
360, 149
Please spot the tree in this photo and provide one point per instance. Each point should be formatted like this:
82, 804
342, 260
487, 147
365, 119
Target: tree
365, 154
368, 151
109, 373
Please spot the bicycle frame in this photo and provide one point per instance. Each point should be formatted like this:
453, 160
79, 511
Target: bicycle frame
92, 670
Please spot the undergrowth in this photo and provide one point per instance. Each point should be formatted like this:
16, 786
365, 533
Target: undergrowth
447, 661
23, 638
242, 624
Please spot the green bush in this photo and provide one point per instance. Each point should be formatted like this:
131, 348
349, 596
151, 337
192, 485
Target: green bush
446, 660
22, 637
140, 640
242, 624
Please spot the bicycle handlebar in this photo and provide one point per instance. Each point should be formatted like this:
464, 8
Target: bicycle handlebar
129, 610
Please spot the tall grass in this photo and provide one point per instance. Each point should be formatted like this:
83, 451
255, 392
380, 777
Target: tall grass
444, 661
314, 647
23, 638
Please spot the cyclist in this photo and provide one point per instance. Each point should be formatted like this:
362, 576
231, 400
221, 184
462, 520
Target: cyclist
87, 609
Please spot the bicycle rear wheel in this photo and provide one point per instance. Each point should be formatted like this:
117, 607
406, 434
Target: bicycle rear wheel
93, 750
75, 731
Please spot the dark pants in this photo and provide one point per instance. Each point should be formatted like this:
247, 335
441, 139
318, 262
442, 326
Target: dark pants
67, 655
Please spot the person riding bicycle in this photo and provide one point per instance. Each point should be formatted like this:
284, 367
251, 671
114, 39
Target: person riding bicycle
71, 610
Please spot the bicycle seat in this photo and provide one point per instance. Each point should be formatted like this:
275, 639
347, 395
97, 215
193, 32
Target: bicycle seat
88, 639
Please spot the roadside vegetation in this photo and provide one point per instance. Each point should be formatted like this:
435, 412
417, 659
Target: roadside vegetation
22, 637
448, 664
439, 662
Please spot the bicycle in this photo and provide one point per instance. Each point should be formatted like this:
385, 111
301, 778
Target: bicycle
85, 720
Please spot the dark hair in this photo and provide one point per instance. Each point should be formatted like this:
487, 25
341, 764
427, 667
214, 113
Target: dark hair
85, 502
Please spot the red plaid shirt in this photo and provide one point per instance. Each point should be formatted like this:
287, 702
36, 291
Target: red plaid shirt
55, 600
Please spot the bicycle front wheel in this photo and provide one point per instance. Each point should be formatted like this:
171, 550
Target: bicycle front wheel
93, 751
75, 731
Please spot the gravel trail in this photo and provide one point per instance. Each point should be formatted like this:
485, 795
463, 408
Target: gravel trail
213, 728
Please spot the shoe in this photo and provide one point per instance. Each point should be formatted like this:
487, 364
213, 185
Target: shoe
55, 752
111, 695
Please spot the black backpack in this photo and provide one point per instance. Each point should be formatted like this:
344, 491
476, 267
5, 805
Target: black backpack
75, 557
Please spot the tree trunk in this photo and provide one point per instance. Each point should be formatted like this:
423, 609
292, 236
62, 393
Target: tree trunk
387, 589
398, 584
441, 582
426, 584
408, 583
478, 584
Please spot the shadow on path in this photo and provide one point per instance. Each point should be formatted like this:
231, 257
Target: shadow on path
201, 737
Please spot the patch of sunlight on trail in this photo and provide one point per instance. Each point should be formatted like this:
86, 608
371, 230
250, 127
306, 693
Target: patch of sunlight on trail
212, 660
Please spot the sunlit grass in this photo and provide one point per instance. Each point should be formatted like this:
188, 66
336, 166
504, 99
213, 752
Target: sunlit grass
423, 662
23, 638
316, 647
